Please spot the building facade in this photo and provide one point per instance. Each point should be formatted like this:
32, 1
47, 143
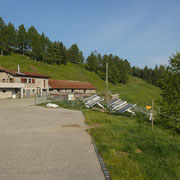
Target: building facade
76, 87
15, 84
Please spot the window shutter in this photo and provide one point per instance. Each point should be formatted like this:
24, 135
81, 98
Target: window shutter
33, 80
22, 80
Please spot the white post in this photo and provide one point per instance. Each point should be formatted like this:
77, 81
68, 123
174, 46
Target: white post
152, 121
22, 93
106, 82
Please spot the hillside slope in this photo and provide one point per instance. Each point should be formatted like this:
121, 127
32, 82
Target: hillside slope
136, 91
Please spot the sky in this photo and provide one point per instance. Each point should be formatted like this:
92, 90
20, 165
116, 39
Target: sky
145, 32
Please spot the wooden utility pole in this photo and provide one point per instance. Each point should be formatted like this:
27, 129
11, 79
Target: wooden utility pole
152, 120
106, 82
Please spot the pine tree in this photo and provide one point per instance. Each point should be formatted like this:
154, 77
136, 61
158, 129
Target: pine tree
3, 37
123, 72
74, 54
170, 105
22, 39
155, 76
63, 53
45, 44
92, 63
81, 57
34, 42
127, 66
12, 36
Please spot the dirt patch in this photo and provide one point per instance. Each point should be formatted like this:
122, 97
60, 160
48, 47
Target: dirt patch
71, 125
138, 150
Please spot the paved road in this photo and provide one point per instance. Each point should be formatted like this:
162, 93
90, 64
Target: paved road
46, 144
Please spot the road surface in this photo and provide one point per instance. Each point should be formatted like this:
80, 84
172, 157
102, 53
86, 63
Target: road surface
38, 143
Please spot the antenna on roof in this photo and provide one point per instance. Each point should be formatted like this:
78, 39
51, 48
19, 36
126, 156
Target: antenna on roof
18, 69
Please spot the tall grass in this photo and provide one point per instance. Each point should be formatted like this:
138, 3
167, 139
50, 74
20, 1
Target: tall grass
131, 150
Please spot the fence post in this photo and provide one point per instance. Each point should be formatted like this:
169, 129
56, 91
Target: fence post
152, 121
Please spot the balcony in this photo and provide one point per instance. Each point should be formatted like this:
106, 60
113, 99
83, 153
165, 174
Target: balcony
11, 85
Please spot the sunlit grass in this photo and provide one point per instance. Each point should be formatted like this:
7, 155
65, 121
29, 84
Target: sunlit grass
131, 150
136, 91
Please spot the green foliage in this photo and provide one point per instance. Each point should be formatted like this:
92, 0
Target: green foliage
34, 43
170, 104
75, 55
92, 63
3, 37
117, 69
131, 150
12, 36
22, 39
153, 76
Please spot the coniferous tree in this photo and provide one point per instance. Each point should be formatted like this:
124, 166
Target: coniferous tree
34, 42
22, 39
155, 76
92, 63
127, 66
63, 53
81, 57
74, 55
3, 37
55, 53
170, 104
123, 72
12, 36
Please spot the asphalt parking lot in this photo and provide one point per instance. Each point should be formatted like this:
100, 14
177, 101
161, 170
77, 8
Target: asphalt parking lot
38, 143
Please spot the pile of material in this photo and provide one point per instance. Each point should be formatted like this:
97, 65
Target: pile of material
93, 100
51, 105
118, 105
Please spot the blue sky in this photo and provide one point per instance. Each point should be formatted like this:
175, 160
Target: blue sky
146, 32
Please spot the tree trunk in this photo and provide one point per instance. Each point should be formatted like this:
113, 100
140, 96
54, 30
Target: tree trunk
35, 58
1, 52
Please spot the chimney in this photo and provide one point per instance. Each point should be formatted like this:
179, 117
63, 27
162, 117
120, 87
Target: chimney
18, 69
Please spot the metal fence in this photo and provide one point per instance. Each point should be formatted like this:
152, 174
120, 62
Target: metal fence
49, 98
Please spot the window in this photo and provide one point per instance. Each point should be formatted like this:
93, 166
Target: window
11, 80
44, 83
23, 80
29, 81
34, 90
33, 81
4, 91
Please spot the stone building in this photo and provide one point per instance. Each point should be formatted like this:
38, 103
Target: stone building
15, 84
76, 87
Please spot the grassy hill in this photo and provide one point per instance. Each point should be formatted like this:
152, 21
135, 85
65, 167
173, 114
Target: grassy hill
136, 91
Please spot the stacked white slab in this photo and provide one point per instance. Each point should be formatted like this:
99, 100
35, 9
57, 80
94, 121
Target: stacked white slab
93, 100
120, 106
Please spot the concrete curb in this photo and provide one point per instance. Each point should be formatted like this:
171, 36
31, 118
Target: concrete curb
102, 164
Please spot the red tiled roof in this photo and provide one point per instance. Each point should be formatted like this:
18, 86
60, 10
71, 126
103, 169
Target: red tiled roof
64, 84
22, 73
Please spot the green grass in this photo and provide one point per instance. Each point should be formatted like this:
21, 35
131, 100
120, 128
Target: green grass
131, 150
136, 91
